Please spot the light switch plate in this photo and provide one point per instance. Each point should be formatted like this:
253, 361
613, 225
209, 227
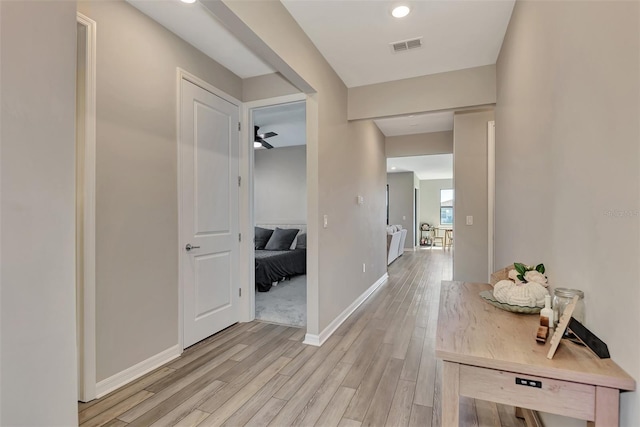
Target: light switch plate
325, 221
469, 219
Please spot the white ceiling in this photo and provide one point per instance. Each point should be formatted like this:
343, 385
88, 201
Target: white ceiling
287, 120
416, 123
354, 36
437, 166
198, 27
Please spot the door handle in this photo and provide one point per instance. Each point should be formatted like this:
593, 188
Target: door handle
189, 247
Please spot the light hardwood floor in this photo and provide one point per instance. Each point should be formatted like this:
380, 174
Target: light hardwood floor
378, 369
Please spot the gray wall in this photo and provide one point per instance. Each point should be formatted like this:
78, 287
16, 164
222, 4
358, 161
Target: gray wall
266, 86
421, 144
567, 143
136, 185
442, 91
430, 199
280, 185
37, 208
344, 160
470, 181
401, 186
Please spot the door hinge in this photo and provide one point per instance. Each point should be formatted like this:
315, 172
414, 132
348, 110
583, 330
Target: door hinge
239, 181
239, 126
239, 292
239, 237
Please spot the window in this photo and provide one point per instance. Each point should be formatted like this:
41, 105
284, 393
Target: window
446, 207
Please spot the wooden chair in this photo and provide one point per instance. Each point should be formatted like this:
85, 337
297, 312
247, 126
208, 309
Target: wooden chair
448, 238
435, 237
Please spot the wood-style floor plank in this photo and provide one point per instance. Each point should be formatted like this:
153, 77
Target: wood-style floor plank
359, 405
193, 419
206, 347
195, 369
122, 394
308, 369
487, 413
299, 361
381, 402
317, 404
188, 406
468, 414
298, 401
362, 358
267, 413
113, 412
174, 401
346, 422
378, 368
257, 401
332, 414
412, 358
400, 411
236, 384
220, 415
421, 416
259, 343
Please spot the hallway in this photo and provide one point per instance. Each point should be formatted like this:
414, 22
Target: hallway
377, 369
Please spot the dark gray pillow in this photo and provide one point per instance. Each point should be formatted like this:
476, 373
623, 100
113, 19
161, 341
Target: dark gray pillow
302, 241
281, 239
262, 237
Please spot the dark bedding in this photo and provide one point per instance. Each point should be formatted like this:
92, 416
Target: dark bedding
273, 266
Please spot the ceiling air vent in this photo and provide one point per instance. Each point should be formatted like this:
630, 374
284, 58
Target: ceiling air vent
405, 45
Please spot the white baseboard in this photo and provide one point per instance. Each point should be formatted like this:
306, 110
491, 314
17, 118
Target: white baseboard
318, 340
136, 371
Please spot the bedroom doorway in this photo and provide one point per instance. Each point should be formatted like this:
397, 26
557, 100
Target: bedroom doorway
279, 212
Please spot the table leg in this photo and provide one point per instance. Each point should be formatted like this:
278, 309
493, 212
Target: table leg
450, 394
519, 413
607, 407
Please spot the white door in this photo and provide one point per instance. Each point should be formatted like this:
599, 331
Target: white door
209, 236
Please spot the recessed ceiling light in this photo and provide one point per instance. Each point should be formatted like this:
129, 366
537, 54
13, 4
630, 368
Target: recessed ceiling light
188, 1
256, 144
393, 168
400, 11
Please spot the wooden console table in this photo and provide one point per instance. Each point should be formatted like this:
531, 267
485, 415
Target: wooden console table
491, 354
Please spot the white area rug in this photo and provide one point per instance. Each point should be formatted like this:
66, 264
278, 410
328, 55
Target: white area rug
285, 304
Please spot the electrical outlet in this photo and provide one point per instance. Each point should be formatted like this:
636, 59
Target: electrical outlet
325, 221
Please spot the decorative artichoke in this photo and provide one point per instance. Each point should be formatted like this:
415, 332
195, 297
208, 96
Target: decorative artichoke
524, 294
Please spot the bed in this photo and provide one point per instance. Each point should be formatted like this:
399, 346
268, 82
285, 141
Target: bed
275, 262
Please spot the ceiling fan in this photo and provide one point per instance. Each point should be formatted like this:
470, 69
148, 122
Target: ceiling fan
259, 138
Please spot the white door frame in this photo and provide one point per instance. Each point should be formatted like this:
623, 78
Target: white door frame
491, 193
247, 217
86, 286
180, 75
